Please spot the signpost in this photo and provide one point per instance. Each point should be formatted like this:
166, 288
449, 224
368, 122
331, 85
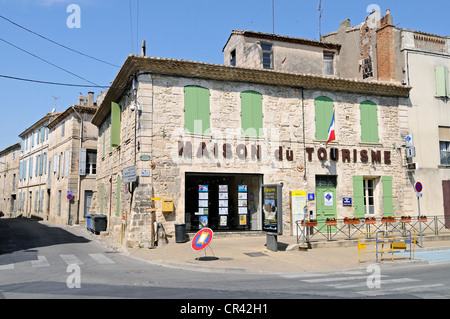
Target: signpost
418, 187
272, 213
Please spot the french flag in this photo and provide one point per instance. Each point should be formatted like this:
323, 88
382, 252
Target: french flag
331, 135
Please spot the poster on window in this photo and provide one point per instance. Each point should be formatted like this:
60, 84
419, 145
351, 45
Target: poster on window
202, 195
202, 188
223, 210
202, 203
223, 203
242, 188
223, 188
223, 220
203, 222
243, 220
223, 195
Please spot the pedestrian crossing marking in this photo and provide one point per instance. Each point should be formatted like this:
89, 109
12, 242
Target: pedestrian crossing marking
409, 289
7, 267
71, 260
101, 259
40, 262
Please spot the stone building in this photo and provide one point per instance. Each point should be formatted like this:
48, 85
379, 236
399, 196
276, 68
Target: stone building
72, 162
33, 171
209, 136
378, 50
9, 173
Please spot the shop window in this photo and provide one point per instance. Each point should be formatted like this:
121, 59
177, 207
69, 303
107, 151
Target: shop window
222, 202
196, 110
323, 116
251, 113
369, 122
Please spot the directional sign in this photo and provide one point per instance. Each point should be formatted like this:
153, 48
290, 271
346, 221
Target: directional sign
202, 239
129, 174
418, 187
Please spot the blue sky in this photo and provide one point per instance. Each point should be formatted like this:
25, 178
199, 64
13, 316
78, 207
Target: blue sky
193, 30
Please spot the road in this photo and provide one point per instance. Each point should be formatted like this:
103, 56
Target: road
41, 260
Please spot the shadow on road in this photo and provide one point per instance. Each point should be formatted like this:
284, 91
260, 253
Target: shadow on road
19, 236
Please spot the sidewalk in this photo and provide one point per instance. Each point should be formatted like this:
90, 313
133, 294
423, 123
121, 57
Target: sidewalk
248, 254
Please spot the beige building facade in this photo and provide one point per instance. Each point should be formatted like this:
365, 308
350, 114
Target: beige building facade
9, 173
209, 136
421, 61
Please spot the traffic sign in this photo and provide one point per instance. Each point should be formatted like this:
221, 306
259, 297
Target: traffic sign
418, 187
69, 196
202, 239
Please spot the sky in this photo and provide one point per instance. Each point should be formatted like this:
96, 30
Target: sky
105, 32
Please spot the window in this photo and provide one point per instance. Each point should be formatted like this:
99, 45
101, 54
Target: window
369, 122
267, 55
233, 58
328, 63
196, 109
63, 128
444, 145
324, 115
367, 68
368, 196
91, 162
251, 113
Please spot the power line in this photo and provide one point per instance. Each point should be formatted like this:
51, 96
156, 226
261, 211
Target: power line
52, 83
37, 57
54, 42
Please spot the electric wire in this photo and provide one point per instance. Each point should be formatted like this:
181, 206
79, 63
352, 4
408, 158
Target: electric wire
49, 82
59, 44
56, 66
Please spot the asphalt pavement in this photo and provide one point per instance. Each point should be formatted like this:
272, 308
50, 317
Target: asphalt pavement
238, 253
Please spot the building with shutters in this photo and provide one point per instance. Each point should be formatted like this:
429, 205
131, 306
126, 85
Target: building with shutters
57, 158
378, 50
33, 171
209, 136
9, 180
72, 163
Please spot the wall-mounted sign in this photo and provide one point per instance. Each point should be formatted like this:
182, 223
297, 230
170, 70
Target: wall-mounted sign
329, 198
410, 152
311, 196
409, 140
145, 157
145, 173
272, 209
347, 201
129, 174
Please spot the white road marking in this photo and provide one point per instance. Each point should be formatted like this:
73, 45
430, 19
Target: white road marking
7, 267
413, 289
40, 262
71, 260
101, 259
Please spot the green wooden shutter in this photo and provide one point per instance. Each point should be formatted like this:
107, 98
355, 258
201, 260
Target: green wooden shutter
369, 122
388, 203
102, 199
251, 113
119, 181
358, 196
196, 110
115, 124
442, 85
324, 115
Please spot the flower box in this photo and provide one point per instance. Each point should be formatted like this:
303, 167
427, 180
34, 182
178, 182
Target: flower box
309, 223
370, 221
331, 222
406, 219
351, 221
423, 219
388, 220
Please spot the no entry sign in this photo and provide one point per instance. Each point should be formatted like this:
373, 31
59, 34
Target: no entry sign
418, 187
202, 239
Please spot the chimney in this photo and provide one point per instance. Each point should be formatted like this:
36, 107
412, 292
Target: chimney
90, 99
385, 49
143, 48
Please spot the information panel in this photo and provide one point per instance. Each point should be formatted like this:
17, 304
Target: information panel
272, 209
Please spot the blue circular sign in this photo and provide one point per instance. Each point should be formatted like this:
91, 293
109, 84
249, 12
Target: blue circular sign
418, 187
202, 239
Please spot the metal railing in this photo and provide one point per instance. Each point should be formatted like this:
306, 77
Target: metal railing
343, 229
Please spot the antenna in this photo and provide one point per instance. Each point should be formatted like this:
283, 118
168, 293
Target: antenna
273, 16
320, 9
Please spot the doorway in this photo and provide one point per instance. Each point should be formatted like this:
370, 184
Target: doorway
446, 191
326, 199
87, 202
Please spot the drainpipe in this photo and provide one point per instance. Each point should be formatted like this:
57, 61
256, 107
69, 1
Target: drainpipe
79, 176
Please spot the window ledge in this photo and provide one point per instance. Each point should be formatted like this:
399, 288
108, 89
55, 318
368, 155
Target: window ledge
444, 166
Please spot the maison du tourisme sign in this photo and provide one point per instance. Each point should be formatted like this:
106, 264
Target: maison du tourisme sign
254, 152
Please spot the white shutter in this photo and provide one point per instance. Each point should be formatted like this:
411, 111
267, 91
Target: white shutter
82, 162
66, 163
